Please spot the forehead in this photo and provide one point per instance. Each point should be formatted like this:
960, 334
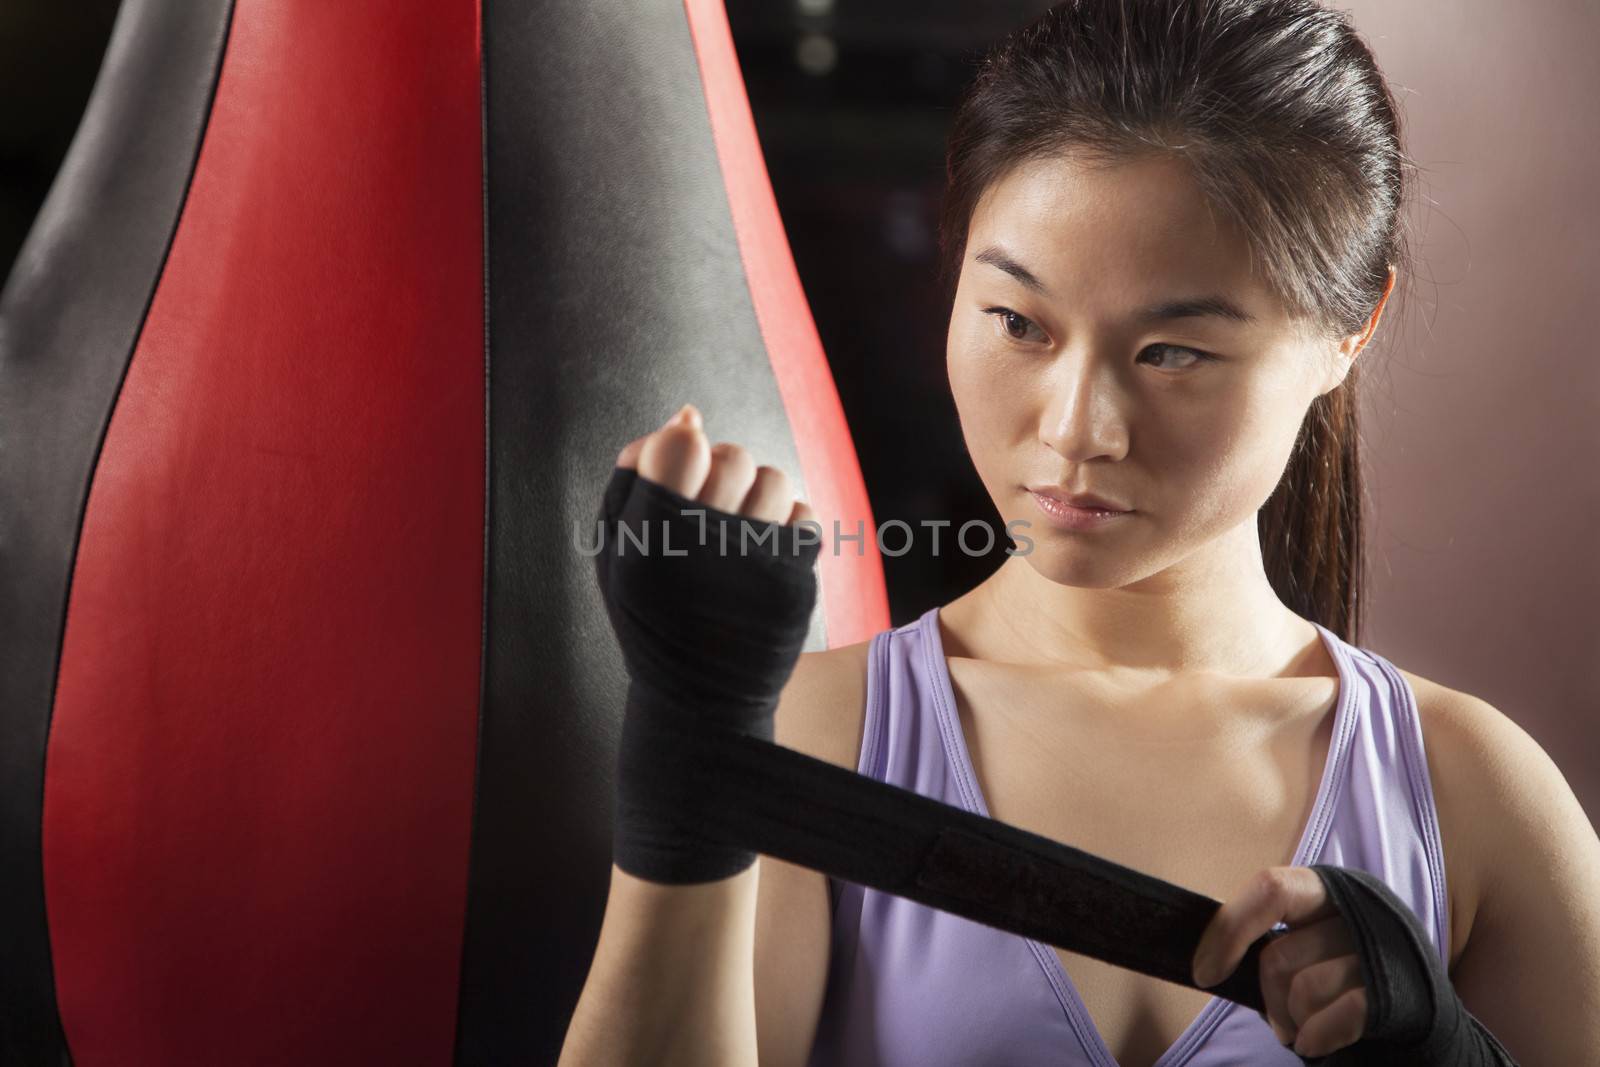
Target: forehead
1132, 230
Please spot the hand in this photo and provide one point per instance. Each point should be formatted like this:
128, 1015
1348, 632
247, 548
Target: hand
723, 476
1310, 977
711, 607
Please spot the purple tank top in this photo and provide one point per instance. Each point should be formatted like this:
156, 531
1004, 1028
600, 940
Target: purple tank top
912, 986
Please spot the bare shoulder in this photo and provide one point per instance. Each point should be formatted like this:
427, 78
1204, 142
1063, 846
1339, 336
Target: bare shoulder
1501, 799
1457, 735
1529, 857
823, 707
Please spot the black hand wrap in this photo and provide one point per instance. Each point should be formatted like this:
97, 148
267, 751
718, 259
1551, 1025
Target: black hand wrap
711, 610
1414, 1016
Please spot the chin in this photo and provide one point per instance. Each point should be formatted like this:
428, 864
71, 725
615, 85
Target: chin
1082, 568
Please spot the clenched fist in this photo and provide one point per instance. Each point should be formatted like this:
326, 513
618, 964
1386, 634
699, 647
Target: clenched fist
709, 586
722, 476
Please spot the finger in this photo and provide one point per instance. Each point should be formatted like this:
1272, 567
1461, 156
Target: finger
733, 472
802, 513
1339, 1024
1282, 1034
770, 499
1315, 987
677, 456
1293, 895
1277, 971
629, 456
1287, 956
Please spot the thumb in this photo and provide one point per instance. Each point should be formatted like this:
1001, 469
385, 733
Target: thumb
1291, 895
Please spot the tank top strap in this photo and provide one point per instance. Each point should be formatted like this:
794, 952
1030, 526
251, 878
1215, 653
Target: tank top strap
1385, 820
875, 725
897, 711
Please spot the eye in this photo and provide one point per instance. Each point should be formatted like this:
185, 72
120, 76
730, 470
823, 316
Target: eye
1198, 356
1013, 325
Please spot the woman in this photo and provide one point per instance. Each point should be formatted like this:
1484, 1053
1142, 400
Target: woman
1172, 229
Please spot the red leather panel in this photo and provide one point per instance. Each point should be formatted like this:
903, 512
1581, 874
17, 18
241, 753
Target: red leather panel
259, 782
853, 594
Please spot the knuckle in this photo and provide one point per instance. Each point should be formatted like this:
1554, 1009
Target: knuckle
1273, 884
730, 453
1303, 990
730, 477
771, 479
770, 498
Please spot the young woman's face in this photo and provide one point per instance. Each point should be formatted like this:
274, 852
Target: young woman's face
1061, 380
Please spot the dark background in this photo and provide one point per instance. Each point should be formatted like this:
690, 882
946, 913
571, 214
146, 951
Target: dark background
851, 101
49, 55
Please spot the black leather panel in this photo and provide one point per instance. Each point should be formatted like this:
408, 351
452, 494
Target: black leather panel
615, 294
70, 314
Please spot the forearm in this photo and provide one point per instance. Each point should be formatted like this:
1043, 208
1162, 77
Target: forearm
672, 980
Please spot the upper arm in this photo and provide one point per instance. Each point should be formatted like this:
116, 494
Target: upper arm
820, 713
1530, 968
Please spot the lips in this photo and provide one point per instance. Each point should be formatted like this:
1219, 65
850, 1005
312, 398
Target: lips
1078, 500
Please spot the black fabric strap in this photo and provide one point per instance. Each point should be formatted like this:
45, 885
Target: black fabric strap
807, 811
1414, 1016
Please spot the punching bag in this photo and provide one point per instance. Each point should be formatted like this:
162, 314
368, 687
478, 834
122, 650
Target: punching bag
312, 369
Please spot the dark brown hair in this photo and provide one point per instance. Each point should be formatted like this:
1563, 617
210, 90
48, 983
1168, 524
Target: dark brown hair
1291, 133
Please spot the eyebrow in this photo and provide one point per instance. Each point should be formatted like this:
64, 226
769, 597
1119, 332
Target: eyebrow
1166, 310
1192, 307
997, 258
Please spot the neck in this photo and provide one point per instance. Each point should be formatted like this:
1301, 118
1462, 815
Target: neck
1213, 612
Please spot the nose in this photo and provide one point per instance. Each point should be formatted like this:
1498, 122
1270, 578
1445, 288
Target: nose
1084, 417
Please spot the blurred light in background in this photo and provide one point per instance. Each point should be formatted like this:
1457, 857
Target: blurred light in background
816, 54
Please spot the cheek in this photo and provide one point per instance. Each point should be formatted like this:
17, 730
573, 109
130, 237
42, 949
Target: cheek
986, 390
1221, 465
992, 405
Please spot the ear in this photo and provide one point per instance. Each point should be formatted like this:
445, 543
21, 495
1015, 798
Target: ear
1350, 347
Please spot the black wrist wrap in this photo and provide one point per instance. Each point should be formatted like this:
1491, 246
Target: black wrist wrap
1414, 1016
711, 610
